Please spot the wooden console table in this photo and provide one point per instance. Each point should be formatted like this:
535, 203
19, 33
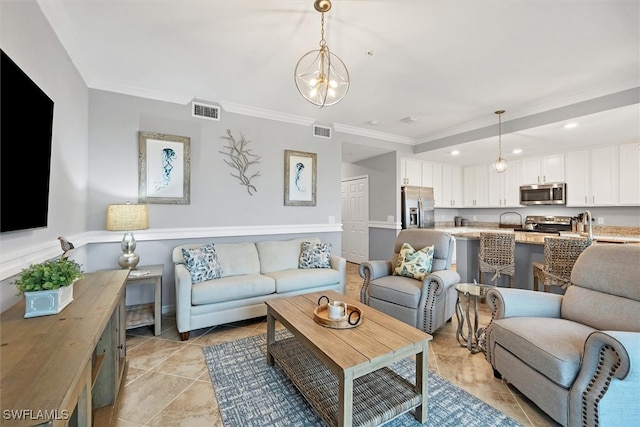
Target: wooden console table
67, 368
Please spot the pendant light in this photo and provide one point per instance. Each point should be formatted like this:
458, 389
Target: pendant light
320, 76
500, 165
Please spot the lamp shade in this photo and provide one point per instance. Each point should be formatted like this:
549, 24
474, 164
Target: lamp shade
127, 217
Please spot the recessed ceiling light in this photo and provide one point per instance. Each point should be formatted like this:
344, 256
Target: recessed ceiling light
373, 122
517, 151
455, 152
571, 125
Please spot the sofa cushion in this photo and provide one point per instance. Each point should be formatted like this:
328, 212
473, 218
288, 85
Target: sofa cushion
399, 290
315, 255
551, 346
281, 254
202, 263
412, 263
232, 288
298, 279
238, 258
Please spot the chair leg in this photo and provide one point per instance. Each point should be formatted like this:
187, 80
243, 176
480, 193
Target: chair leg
511, 280
535, 283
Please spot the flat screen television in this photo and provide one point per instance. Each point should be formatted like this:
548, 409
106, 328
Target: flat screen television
26, 124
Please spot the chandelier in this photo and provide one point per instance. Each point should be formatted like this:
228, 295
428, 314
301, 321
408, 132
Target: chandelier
320, 76
500, 165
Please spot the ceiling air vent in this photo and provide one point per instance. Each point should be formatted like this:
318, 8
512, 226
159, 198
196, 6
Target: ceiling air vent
322, 131
205, 111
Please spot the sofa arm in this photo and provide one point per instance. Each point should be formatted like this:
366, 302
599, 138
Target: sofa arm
443, 278
507, 302
183, 298
608, 383
340, 264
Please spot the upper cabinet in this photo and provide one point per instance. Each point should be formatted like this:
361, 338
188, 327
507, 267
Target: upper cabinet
445, 179
539, 170
629, 175
592, 177
476, 186
504, 188
411, 172
451, 186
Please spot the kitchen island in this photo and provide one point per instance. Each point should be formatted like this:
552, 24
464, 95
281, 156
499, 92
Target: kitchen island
529, 249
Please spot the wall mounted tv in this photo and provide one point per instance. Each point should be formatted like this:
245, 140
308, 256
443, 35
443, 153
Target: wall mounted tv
26, 124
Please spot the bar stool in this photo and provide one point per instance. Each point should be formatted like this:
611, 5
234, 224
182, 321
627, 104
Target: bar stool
497, 256
560, 254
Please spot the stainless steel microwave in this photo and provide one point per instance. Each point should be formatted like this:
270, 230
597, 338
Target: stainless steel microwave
553, 193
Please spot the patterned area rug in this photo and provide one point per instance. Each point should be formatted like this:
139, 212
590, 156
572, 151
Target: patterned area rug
251, 393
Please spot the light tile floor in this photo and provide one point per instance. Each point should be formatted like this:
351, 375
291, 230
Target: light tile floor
168, 384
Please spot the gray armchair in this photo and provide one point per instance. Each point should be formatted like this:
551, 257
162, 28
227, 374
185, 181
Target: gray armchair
426, 304
577, 355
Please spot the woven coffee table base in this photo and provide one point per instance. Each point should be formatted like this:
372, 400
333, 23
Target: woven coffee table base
377, 397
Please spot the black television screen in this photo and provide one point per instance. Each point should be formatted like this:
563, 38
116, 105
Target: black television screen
26, 123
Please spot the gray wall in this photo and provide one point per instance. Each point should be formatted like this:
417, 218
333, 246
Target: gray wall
217, 198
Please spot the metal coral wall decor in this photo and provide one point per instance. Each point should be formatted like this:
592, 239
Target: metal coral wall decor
241, 158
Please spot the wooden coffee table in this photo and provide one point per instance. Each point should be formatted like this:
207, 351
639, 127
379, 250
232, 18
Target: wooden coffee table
343, 373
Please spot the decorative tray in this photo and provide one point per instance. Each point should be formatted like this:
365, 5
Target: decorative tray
352, 319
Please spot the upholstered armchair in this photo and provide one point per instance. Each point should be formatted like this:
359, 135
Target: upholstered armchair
426, 303
577, 355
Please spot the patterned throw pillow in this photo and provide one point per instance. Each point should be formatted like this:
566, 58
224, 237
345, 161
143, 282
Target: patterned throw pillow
202, 263
414, 264
315, 255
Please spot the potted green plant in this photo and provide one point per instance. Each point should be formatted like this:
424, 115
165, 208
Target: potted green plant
48, 286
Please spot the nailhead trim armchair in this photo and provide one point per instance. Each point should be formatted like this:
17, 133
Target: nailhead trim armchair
426, 304
577, 355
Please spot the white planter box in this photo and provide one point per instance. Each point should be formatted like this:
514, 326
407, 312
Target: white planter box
43, 303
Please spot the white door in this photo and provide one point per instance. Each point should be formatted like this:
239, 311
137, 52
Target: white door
355, 219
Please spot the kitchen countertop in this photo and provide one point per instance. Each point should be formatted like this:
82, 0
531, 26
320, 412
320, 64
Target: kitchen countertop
532, 237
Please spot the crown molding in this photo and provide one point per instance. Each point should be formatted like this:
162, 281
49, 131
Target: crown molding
262, 113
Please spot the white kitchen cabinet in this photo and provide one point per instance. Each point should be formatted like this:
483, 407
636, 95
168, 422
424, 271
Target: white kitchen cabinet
629, 176
411, 171
577, 172
476, 186
447, 185
592, 177
538, 170
504, 188
427, 174
604, 176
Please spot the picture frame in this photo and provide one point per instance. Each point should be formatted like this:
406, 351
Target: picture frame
164, 168
300, 178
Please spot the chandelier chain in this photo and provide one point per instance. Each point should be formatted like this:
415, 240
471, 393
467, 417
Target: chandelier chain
500, 135
323, 42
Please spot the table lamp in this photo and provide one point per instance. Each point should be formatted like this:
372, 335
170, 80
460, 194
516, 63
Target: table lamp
127, 217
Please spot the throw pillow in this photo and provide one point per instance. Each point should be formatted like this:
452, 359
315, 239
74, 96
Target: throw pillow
202, 263
414, 264
315, 255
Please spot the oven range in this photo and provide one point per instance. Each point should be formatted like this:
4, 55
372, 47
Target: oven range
546, 224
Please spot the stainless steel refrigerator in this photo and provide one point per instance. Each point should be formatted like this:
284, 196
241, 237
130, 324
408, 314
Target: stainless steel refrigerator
417, 208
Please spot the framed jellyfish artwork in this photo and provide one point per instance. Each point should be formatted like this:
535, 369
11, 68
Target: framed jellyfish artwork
299, 178
163, 168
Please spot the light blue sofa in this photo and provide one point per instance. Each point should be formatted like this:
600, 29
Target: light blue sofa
252, 273
577, 355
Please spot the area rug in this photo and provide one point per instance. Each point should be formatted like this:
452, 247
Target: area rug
251, 393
